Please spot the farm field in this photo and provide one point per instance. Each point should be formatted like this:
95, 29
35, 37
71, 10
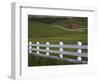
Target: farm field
55, 30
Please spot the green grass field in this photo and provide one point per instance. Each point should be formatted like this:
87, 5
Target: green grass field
45, 30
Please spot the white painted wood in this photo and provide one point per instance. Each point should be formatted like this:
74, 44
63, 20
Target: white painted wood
64, 52
38, 48
16, 45
56, 57
79, 51
61, 52
32, 8
30, 47
47, 48
61, 49
63, 46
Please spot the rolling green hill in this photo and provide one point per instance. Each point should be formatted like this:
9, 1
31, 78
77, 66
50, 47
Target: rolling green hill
44, 32
53, 30
64, 22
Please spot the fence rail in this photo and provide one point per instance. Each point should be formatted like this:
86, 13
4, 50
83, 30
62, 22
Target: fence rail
58, 46
60, 52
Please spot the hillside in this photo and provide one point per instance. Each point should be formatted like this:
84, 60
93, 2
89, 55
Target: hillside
48, 32
65, 22
54, 30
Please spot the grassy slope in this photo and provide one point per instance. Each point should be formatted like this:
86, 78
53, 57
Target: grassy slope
47, 32
44, 32
41, 61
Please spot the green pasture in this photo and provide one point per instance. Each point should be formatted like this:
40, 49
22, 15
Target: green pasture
45, 30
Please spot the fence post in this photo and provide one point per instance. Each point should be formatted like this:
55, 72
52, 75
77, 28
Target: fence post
37, 48
61, 49
47, 48
79, 51
30, 47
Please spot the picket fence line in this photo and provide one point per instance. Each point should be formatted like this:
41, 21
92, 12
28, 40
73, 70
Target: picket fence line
60, 52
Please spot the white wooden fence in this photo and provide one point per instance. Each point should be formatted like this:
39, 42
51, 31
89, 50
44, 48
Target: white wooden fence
60, 52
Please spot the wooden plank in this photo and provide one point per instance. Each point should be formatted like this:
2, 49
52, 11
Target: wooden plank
75, 54
63, 46
58, 52
58, 58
